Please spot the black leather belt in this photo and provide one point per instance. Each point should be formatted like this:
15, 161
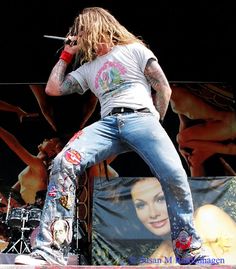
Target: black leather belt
120, 110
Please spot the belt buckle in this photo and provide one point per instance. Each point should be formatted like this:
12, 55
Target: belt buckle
118, 110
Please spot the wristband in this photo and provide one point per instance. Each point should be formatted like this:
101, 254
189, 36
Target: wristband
66, 56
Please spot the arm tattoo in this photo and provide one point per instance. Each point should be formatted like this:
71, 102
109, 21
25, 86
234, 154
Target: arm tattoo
71, 85
58, 72
67, 83
158, 81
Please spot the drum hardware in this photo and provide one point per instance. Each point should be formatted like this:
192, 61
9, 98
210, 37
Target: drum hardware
23, 219
8, 205
21, 242
17, 227
5, 234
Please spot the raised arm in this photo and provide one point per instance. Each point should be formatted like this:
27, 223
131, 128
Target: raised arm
17, 148
12, 108
46, 108
158, 81
59, 83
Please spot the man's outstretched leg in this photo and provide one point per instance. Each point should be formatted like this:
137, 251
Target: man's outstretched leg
55, 230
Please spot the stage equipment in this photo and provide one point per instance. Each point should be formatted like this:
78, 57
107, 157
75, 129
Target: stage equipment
16, 217
34, 215
17, 227
22, 244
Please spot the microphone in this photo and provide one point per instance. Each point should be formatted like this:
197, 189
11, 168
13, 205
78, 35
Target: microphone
66, 40
55, 37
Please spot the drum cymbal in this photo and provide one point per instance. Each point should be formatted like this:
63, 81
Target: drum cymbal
2, 205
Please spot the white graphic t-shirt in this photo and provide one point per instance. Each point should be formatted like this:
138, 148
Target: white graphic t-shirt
117, 79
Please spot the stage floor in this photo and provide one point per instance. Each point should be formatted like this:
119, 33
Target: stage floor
7, 261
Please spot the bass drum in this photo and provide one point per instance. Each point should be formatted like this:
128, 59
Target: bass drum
4, 236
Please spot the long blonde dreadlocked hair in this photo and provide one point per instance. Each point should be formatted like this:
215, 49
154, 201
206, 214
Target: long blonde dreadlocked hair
99, 26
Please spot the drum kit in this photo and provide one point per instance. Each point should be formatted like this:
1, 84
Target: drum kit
18, 227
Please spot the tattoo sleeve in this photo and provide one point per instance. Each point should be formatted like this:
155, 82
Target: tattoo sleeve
71, 85
61, 84
158, 81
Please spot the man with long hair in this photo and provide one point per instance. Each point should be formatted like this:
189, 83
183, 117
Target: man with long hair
121, 71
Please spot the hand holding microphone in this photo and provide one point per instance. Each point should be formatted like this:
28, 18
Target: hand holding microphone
70, 40
70, 47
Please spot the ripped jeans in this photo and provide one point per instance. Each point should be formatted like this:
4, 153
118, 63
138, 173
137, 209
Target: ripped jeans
110, 136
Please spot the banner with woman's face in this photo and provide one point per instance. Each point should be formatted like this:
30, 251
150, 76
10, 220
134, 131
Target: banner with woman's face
130, 223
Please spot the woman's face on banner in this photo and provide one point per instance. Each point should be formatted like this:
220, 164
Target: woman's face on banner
150, 206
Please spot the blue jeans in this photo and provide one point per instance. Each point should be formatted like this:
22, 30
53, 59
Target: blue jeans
110, 136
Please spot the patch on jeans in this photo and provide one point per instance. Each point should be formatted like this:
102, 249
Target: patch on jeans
182, 243
72, 156
66, 201
76, 135
52, 192
60, 233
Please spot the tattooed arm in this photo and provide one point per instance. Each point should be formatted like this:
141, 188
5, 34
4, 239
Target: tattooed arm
59, 83
158, 81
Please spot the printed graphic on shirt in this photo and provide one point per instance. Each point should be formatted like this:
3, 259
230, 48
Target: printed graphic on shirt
109, 77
